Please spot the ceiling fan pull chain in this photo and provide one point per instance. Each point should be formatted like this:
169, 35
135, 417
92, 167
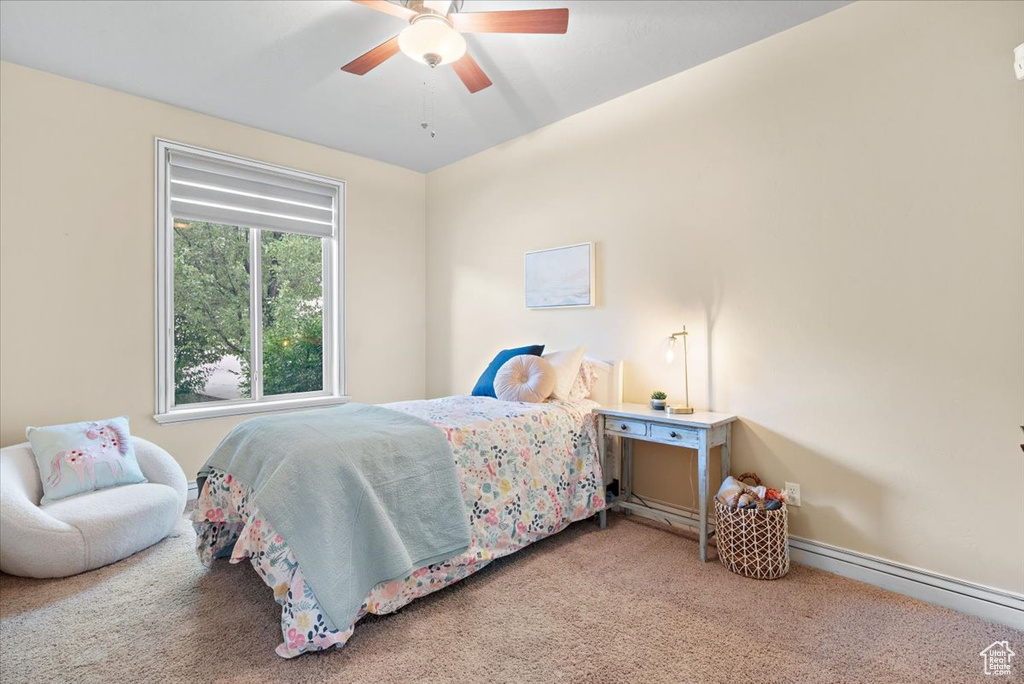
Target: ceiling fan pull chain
427, 120
423, 112
433, 120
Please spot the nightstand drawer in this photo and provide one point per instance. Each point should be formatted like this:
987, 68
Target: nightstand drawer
675, 435
625, 427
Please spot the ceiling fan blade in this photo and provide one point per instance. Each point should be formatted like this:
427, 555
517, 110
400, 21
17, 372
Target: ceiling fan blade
439, 6
512, 21
374, 58
471, 73
388, 8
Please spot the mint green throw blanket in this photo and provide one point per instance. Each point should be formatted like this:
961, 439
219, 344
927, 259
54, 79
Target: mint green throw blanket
361, 494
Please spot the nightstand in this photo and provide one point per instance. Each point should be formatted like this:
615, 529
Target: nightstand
700, 431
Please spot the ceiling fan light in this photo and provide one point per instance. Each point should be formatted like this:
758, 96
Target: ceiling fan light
431, 40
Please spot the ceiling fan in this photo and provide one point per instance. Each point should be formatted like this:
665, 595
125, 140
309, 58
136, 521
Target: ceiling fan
434, 34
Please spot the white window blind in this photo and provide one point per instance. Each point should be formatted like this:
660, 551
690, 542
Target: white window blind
204, 189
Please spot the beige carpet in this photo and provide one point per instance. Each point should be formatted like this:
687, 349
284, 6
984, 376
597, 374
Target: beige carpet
630, 604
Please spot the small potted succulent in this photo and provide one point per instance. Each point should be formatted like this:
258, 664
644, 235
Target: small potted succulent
658, 399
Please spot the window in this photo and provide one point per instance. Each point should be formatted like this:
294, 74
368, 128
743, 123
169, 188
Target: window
249, 294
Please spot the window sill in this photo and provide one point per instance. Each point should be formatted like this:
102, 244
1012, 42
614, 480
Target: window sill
206, 412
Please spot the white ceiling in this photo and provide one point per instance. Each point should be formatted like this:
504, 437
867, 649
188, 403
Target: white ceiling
275, 65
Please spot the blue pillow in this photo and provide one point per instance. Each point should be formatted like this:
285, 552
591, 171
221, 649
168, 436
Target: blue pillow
485, 385
81, 457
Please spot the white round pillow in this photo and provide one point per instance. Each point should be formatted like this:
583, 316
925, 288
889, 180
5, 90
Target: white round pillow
525, 378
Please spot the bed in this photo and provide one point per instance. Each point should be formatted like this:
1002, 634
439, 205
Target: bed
526, 471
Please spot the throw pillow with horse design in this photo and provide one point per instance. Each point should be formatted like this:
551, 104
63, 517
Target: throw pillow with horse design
82, 457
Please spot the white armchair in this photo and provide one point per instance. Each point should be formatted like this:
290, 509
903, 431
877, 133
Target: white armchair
88, 530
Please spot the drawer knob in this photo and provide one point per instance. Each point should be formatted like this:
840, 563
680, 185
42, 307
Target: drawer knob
625, 427
674, 434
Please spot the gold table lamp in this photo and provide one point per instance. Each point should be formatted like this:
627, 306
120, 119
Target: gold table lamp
670, 355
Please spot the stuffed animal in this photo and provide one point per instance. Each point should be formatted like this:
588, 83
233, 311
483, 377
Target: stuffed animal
736, 494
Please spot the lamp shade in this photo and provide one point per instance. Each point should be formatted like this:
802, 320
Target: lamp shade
669, 349
431, 40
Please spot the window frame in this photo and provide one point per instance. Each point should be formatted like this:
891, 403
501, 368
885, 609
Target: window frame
333, 278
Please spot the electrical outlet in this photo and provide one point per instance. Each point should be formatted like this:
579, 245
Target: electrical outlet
793, 494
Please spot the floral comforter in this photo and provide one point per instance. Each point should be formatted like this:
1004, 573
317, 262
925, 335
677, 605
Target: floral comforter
526, 472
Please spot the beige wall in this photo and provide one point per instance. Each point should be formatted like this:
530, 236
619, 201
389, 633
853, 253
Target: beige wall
837, 214
77, 254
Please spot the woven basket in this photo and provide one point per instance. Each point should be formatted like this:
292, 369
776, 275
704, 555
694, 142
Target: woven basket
753, 542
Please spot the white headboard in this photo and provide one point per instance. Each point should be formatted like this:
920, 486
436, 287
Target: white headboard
608, 386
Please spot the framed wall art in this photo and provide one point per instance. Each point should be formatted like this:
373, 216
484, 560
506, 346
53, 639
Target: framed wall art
560, 277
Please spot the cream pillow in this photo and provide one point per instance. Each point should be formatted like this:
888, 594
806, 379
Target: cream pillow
567, 366
524, 378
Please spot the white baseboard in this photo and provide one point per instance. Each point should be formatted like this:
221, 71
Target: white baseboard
994, 605
193, 490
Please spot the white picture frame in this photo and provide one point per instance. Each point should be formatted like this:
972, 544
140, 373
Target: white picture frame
560, 277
